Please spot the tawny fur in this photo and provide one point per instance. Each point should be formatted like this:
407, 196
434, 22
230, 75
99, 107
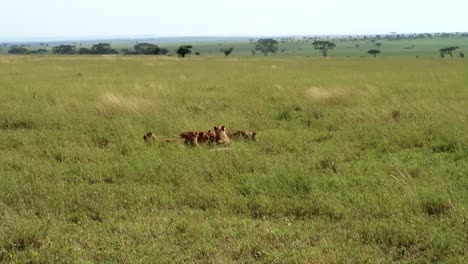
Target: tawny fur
221, 136
190, 137
247, 135
149, 137
206, 137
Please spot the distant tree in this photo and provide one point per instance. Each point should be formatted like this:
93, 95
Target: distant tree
128, 52
197, 53
462, 55
323, 46
227, 51
253, 52
18, 50
447, 50
374, 52
83, 51
64, 49
184, 50
266, 46
163, 51
39, 51
103, 48
378, 44
147, 49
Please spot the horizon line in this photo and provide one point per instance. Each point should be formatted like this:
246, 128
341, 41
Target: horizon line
143, 36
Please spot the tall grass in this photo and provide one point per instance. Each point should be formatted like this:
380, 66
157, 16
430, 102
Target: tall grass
356, 160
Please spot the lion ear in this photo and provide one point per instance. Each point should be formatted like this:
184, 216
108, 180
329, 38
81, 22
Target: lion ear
254, 134
209, 130
223, 128
215, 129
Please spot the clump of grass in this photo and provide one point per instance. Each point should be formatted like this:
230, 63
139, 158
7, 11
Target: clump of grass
285, 115
328, 164
21, 124
111, 104
101, 142
396, 115
323, 95
444, 148
23, 234
436, 205
398, 240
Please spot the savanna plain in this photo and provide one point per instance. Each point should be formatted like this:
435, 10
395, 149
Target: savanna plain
356, 160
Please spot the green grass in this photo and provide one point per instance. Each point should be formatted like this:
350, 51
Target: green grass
356, 160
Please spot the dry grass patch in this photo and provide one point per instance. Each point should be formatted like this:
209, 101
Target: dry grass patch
338, 95
320, 94
110, 104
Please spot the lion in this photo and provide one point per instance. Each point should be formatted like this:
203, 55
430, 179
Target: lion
206, 137
149, 137
221, 136
190, 137
247, 135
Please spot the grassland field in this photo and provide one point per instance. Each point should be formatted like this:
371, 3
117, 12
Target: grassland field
409, 48
357, 160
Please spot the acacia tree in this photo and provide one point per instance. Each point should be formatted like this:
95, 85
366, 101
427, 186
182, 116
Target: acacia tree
462, 55
102, 48
323, 46
447, 50
266, 46
64, 49
374, 52
39, 51
18, 50
184, 50
163, 51
83, 51
147, 49
227, 51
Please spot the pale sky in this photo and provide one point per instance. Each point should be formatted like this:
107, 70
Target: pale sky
74, 19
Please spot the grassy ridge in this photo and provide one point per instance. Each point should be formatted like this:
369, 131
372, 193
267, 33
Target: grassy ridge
356, 159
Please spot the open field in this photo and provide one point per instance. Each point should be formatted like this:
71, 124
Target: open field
357, 160
409, 48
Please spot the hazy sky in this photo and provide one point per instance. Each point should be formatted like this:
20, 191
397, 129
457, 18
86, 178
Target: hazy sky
45, 19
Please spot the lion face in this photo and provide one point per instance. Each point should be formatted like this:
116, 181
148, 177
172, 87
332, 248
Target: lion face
221, 136
149, 137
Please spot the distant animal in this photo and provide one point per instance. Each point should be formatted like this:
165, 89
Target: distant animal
206, 137
190, 137
221, 136
149, 137
211, 136
247, 135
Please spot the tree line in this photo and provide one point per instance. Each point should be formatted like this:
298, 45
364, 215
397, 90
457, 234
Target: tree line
96, 49
265, 46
